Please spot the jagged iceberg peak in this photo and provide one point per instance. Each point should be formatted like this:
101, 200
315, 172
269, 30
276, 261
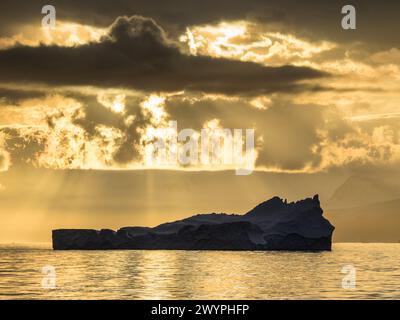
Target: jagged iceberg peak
279, 205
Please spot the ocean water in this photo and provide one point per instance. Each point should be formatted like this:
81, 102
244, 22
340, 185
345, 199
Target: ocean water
350, 271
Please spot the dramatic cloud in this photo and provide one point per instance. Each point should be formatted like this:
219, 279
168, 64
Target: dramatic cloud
245, 41
311, 18
90, 95
107, 131
298, 137
136, 54
64, 34
287, 134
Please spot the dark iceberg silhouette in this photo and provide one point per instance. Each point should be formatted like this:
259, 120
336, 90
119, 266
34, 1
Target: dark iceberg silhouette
272, 225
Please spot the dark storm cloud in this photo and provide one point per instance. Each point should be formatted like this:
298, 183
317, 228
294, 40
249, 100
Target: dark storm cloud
15, 96
311, 18
136, 54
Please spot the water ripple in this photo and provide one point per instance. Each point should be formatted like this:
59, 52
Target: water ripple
200, 274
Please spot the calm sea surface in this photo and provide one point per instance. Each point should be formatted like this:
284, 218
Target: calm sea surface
37, 272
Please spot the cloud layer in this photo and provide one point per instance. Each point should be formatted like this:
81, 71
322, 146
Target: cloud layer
136, 54
316, 99
316, 19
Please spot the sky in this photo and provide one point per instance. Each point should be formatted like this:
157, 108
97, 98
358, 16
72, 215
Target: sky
81, 105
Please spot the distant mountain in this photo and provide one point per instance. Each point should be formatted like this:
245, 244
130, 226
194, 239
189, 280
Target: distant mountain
359, 191
272, 225
378, 222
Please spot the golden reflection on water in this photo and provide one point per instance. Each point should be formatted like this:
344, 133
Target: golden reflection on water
201, 274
